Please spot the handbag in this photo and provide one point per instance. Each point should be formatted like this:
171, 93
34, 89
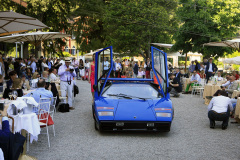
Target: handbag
63, 108
50, 121
76, 90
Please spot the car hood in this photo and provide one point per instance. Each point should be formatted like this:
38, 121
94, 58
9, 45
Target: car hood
134, 110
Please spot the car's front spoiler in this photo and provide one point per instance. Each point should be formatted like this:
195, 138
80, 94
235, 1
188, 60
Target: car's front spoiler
134, 125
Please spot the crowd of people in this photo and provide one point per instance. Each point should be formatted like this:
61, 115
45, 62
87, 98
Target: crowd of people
222, 104
17, 74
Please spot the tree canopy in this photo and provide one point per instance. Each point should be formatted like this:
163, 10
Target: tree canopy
131, 26
204, 21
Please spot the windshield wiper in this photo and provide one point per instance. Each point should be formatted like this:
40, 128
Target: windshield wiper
126, 96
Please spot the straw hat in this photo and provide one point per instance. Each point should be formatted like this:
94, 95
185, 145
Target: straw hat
67, 59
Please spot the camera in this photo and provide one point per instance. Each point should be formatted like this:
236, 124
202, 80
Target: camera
71, 70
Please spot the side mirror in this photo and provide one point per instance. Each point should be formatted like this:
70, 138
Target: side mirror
95, 87
169, 89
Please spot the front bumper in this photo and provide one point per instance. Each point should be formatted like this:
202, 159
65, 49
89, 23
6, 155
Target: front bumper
134, 125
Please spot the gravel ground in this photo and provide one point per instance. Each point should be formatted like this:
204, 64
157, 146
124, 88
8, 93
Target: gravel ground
190, 136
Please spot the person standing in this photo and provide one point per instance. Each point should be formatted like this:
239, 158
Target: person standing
148, 68
105, 65
67, 73
178, 74
191, 67
118, 69
92, 75
75, 65
87, 68
39, 65
33, 65
210, 70
219, 109
81, 69
135, 70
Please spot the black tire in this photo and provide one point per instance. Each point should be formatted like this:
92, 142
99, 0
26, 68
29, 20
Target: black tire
96, 128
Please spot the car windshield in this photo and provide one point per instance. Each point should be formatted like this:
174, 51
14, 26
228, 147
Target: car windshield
131, 90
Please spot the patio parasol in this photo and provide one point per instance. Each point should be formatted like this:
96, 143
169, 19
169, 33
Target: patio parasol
33, 37
12, 22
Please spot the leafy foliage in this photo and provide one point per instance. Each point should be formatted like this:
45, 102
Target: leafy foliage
203, 21
132, 25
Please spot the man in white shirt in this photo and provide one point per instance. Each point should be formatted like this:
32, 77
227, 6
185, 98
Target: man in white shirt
105, 65
194, 79
219, 77
53, 75
219, 109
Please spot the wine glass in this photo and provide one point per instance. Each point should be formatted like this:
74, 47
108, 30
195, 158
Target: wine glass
15, 94
10, 95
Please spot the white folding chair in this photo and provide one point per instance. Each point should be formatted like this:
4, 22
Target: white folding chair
43, 114
194, 88
53, 110
200, 88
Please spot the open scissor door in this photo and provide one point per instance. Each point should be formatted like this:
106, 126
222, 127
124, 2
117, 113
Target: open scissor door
159, 66
103, 67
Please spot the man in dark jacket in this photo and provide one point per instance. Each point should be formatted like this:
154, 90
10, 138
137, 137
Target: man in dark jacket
176, 86
135, 70
210, 70
17, 66
5, 132
178, 74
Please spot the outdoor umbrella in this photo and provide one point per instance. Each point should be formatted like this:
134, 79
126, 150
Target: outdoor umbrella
234, 43
33, 37
235, 60
12, 22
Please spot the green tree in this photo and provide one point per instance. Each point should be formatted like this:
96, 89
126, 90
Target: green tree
203, 21
53, 13
131, 26
88, 26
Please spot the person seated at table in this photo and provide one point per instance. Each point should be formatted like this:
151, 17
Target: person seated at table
202, 74
29, 73
219, 109
235, 75
53, 75
35, 79
13, 76
4, 134
25, 82
195, 79
176, 85
40, 91
45, 76
1, 83
17, 86
229, 86
219, 77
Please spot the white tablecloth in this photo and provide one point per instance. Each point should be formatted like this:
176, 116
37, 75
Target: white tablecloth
28, 122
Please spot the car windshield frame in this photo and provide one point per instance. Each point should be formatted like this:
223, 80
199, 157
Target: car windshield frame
137, 85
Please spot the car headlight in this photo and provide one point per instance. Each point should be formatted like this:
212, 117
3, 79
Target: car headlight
105, 113
163, 114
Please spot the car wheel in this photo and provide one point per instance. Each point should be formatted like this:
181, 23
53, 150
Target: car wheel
93, 111
96, 127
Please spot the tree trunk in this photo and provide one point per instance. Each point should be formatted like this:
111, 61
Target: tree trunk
25, 51
186, 63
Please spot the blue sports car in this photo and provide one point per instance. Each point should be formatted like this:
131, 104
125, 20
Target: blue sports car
132, 103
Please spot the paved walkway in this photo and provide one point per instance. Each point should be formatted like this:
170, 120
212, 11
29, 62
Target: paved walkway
189, 138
